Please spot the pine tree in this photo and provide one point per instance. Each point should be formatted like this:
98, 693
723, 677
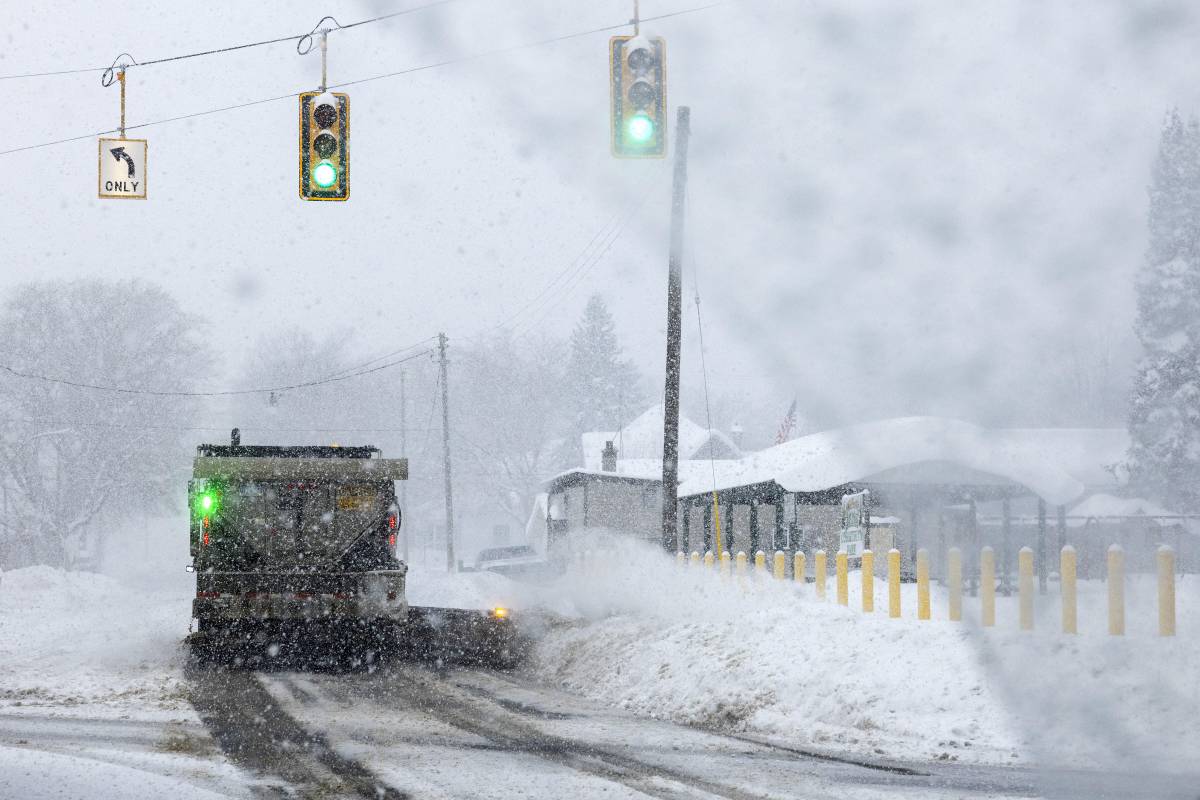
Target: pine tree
603, 386
1164, 419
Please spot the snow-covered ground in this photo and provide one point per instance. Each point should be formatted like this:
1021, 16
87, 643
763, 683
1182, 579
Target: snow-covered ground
766, 657
79, 650
92, 696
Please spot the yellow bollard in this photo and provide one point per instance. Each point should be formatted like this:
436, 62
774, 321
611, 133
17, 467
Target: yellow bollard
1025, 586
798, 567
843, 588
820, 567
987, 586
1166, 591
725, 565
741, 564
780, 566
1116, 590
709, 560
680, 558
922, 584
760, 563
894, 583
1066, 572
954, 578
695, 559
868, 580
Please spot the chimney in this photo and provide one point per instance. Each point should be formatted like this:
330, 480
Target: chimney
235, 437
736, 433
608, 458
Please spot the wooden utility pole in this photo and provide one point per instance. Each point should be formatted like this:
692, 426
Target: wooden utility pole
442, 364
670, 483
404, 527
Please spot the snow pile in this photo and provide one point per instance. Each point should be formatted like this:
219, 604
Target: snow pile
430, 585
765, 657
72, 638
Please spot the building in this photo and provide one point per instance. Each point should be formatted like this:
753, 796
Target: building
619, 488
929, 483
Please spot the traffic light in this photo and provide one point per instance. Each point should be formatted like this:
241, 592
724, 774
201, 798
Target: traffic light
638, 67
324, 146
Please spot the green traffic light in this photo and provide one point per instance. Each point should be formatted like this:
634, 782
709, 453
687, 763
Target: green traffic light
640, 129
206, 502
324, 174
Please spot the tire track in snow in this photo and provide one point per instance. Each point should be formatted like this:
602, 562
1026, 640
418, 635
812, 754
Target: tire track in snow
257, 734
438, 697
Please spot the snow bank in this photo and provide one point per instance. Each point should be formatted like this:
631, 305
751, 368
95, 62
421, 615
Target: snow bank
71, 638
766, 657
431, 585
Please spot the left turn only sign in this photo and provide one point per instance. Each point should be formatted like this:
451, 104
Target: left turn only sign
123, 168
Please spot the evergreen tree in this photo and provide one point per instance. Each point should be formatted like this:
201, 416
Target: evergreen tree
1164, 420
603, 386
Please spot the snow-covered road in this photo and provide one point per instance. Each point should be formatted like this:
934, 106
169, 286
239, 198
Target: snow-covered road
412, 731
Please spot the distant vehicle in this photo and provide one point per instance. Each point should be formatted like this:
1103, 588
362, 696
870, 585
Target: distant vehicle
515, 558
295, 547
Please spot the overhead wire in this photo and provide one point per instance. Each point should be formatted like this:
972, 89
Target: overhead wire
243, 428
385, 356
298, 37
579, 273
406, 71
712, 462
216, 393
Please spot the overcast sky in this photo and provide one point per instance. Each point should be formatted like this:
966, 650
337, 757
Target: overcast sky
894, 207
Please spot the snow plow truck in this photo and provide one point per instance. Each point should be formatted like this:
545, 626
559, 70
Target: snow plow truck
294, 552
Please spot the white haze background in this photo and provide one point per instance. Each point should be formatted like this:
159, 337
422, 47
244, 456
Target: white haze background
894, 208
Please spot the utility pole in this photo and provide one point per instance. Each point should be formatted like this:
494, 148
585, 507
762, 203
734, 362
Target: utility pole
670, 487
442, 364
404, 454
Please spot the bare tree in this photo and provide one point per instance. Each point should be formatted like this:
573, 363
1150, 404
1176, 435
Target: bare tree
510, 411
69, 451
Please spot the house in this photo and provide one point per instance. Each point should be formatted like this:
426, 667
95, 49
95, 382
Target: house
619, 488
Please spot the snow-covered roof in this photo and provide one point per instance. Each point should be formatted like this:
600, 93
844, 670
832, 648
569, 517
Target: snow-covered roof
642, 439
828, 459
1089, 455
1101, 505
646, 469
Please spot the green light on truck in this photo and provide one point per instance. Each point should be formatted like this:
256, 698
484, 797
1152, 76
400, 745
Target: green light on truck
206, 503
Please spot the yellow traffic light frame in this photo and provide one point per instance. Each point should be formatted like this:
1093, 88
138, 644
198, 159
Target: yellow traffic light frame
306, 157
616, 98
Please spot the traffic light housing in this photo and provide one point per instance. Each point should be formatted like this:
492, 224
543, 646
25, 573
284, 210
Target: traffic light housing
324, 146
638, 71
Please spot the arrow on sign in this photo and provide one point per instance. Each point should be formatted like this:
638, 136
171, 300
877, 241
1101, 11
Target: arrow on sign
119, 153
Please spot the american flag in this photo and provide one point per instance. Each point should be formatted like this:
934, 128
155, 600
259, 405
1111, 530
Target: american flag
785, 427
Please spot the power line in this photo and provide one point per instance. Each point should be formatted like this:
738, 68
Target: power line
219, 393
407, 71
198, 428
581, 272
107, 71
570, 268
384, 356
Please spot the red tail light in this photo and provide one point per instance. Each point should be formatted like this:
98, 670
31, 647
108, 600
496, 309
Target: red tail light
208, 595
392, 522
392, 541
